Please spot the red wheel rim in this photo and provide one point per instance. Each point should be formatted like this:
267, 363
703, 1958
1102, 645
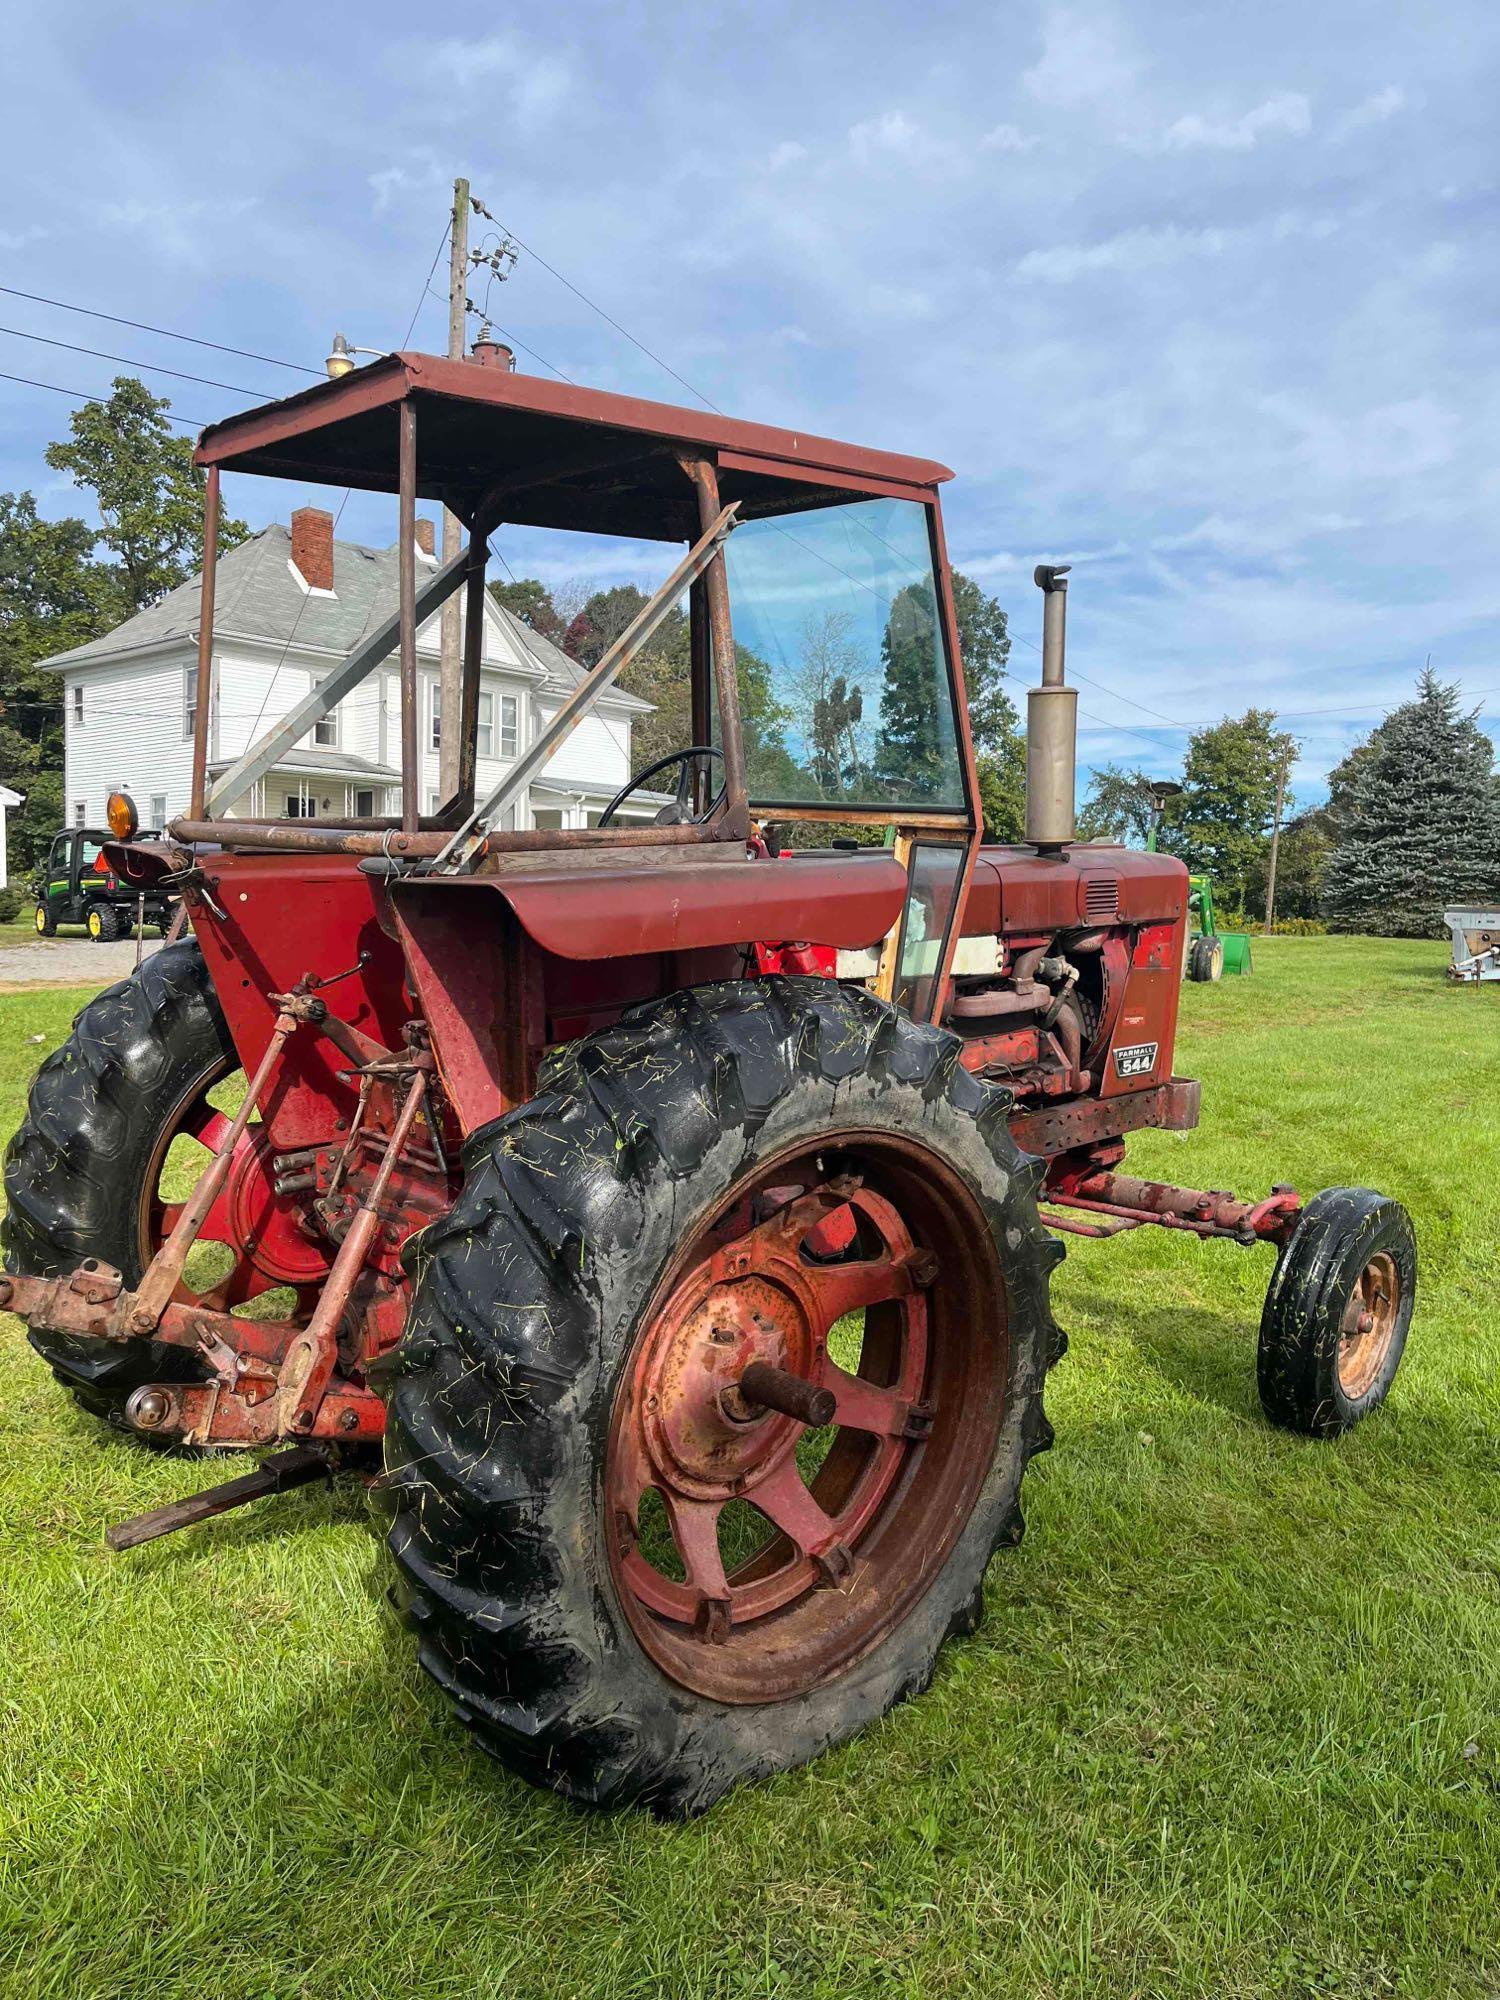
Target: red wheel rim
266, 1249
856, 1524
1369, 1325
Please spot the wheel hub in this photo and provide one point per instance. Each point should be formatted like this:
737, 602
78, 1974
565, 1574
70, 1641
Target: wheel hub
806, 1452
703, 1438
1369, 1325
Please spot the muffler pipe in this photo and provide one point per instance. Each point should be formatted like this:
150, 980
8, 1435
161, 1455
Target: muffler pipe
1052, 725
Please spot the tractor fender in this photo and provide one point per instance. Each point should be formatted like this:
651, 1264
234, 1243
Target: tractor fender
629, 911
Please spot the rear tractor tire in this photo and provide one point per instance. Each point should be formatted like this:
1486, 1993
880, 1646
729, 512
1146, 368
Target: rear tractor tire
102, 1110
717, 1392
102, 922
1337, 1313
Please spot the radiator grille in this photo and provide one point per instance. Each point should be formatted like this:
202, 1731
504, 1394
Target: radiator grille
1101, 897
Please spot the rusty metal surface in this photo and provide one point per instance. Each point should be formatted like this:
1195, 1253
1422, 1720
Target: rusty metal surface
1017, 890
342, 433
203, 712
724, 670
1201, 1211
846, 900
753, 1301
280, 1473
406, 616
1085, 1121
1369, 1325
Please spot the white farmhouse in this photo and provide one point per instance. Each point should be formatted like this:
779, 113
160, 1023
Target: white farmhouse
291, 603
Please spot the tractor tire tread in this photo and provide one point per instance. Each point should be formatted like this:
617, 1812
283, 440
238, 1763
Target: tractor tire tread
1297, 1355
502, 1381
73, 1168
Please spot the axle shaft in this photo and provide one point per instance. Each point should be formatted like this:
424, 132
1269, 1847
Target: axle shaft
774, 1389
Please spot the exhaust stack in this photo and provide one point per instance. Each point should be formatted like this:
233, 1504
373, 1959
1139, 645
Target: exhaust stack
1051, 726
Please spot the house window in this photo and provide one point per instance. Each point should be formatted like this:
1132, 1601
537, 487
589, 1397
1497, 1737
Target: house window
80, 812
78, 701
435, 710
158, 810
484, 734
326, 729
300, 806
189, 700
364, 805
510, 726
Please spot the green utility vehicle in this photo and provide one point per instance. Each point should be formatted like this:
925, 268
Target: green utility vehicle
76, 885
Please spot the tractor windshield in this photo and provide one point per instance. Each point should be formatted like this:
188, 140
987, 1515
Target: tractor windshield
845, 692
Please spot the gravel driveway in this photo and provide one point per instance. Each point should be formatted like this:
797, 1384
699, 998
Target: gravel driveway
69, 961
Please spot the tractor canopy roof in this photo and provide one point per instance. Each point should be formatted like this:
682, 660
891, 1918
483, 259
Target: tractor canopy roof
551, 455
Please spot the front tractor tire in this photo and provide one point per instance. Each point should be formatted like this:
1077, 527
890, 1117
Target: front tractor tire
101, 1115
717, 1393
1337, 1313
1206, 959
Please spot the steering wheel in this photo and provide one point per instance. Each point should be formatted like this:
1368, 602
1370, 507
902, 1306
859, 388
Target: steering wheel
679, 812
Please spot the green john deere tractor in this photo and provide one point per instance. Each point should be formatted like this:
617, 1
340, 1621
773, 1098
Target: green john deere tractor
1210, 952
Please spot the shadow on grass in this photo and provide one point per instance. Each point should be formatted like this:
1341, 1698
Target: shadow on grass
1209, 1356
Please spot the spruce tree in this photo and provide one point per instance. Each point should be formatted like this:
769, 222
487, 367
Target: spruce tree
915, 755
1416, 820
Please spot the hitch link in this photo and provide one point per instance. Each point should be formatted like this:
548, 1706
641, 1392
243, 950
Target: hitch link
162, 1275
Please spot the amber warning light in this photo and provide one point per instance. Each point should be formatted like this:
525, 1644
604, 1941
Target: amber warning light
122, 815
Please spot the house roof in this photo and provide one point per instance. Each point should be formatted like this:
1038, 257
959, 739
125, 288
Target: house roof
258, 596
319, 763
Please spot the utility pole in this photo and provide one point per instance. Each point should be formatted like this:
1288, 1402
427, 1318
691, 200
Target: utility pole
450, 667
1275, 843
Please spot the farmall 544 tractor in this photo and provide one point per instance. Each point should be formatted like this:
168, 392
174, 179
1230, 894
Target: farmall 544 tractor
676, 1214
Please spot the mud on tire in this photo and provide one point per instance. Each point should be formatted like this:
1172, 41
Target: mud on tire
75, 1167
532, 1296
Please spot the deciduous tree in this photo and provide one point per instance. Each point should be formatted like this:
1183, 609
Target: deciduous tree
148, 491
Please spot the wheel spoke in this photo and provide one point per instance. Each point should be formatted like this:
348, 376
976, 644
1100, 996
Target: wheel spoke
864, 1406
205, 1123
786, 1503
695, 1529
845, 1288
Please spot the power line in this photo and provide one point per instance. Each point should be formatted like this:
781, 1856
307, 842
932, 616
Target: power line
166, 333
80, 396
607, 317
151, 367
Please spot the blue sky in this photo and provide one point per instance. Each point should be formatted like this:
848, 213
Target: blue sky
1202, 298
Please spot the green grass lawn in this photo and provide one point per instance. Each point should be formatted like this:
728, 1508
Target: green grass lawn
1231, 1727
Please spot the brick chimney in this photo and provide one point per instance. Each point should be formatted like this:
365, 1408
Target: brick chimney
425, 538
312, 547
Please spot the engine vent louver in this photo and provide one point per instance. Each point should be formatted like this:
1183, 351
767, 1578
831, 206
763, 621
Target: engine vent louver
1101, 897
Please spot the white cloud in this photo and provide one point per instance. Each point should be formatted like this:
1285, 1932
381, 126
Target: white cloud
892, 132
1008, 139
17, 239
1373, 111
788, 154
1132, 250
1084, 59
535, 84
1288, 113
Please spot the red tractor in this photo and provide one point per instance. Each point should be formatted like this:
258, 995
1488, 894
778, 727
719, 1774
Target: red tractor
674, 1210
